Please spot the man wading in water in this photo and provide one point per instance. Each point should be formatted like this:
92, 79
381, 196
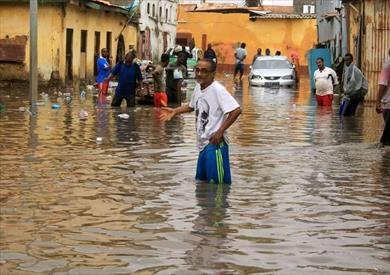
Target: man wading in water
215, 110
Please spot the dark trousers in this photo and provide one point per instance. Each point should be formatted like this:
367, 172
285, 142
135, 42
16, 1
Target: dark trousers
117, 100
352, 105
385, 139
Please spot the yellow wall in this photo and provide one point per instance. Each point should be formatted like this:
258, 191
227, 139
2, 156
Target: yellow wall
225, 31
52, 25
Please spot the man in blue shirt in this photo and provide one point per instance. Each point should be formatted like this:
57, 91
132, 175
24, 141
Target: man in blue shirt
103, 68
129, 74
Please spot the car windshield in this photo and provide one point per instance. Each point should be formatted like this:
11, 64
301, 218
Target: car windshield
271, 64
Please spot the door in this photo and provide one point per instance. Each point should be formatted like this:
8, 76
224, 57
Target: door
83, 54
69, 55
96, 52
120, 51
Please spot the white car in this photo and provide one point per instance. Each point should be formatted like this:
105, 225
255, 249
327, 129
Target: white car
272, 71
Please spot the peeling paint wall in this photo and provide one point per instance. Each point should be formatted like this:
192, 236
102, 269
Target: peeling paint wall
226, 31
52, 24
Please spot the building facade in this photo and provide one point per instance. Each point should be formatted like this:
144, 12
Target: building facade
158, 20
331, 27
368, 37
226, 29
70, 37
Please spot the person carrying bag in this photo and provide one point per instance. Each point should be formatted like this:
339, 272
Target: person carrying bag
355, 87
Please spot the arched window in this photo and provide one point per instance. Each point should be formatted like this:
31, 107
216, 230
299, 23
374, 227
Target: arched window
148, 8
153, 11
160, 13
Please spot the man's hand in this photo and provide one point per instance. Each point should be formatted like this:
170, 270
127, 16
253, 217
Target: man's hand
216, 137
167, 114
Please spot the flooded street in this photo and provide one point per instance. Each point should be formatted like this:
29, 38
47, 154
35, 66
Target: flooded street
109, 195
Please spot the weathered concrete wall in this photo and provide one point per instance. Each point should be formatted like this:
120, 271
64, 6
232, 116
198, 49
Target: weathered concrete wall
14, 21
226, 31
52, 24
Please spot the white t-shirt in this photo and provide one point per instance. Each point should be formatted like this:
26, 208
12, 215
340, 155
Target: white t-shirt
211, 106
323, 81
240, 53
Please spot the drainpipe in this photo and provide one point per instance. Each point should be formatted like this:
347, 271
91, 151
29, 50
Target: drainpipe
33, 84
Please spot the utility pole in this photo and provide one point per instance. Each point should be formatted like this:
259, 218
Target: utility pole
33, 54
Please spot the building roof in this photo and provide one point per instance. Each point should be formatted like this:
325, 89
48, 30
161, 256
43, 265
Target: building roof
255, 16
93, 4
263, 12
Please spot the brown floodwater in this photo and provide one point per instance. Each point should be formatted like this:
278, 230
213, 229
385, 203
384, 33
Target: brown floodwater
109, 195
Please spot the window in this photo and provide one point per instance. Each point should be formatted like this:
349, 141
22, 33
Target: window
148, 8
308, 9
153, 10
166, 15
160, 13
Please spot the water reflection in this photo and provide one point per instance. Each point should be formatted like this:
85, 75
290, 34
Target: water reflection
310, 190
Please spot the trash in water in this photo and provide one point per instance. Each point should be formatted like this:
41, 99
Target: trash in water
68, 99
2, 107
67, 94
40, 103
83, 114
22, 109
89, 87
124, 116
82, 94
99, 139
108, 97
55, 106
43, 94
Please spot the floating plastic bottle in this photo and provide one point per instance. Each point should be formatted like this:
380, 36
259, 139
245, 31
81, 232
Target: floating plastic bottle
83, 93
55, 106
124, 116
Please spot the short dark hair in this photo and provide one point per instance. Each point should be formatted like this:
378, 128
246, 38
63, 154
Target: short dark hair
320, 58
243, 45
350, 55
212, 65
164, 57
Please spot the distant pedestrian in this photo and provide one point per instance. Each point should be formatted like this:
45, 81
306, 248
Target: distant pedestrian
355, 87
159, 77
210, 54
215, 111
325, 79
240, 55
278, 53
174, 79
383, 101
267, 52
129, 74
103, 68
258, 54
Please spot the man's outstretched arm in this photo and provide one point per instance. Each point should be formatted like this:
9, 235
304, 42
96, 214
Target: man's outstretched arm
169, 113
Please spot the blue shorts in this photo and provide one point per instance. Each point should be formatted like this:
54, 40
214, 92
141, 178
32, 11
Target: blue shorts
213, 164
239, 68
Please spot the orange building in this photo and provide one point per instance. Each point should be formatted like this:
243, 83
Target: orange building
226, 28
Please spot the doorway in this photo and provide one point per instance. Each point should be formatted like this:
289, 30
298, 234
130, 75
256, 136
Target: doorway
69, 55
120, 51
96, 52
83, 54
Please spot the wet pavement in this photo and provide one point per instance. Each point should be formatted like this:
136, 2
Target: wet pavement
110, 195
